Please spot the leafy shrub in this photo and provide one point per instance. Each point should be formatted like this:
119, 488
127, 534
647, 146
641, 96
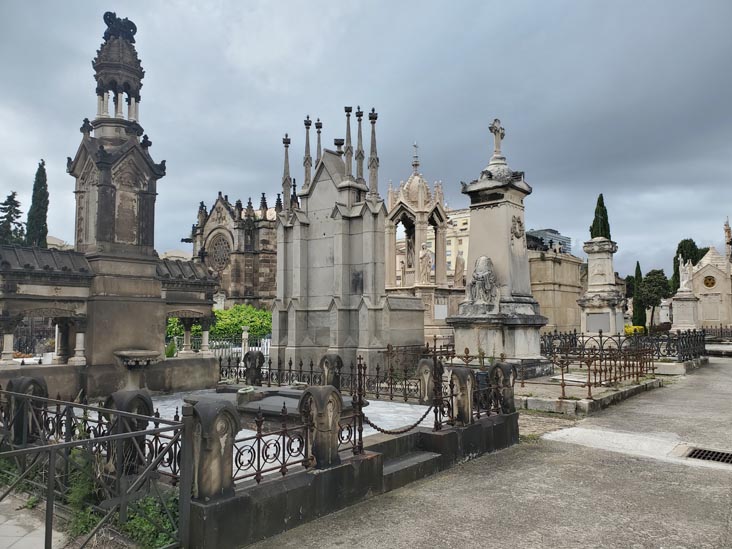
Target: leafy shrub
229, 323
633, 330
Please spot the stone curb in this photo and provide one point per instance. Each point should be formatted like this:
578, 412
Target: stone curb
584, 407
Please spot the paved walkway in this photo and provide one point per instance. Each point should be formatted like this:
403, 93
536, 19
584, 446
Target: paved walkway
598, 491
22, 528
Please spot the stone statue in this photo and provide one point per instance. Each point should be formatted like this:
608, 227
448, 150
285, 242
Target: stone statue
410, 252
459, 274
482, 287
425, 264
403, 268
685, 271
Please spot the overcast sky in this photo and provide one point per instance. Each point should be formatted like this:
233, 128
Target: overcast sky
631, 99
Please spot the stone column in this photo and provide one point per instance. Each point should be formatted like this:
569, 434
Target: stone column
131, 114
79, 358
105, 105
420, 237
602, 304
63, 352
390, 253
244, 340
440, 257
118, 105
215, 426
205, 327
100, 106
7, 326
187, 325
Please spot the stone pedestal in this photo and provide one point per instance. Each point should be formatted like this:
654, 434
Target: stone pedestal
686, 311
602, 303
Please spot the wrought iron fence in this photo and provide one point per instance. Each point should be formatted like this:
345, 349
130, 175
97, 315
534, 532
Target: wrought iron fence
682, 346
272, 451
721, 331
50, 446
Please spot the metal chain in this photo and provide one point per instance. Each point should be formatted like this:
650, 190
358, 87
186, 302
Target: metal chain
397, 431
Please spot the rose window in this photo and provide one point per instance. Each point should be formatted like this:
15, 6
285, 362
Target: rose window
219, 252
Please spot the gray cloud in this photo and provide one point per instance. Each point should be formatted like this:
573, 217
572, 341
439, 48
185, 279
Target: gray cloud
625, 98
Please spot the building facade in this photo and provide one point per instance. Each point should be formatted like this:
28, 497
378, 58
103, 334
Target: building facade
238, 246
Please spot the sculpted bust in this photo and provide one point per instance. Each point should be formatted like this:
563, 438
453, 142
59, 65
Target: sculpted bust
482, 287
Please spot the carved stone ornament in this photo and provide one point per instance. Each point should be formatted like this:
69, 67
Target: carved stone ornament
120, 28
483, 286
517, 227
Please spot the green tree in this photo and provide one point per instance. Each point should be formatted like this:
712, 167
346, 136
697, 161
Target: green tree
639, 308
229, 322
601, 224
688, 250
629, 286
653, 289
37, 225
12, 230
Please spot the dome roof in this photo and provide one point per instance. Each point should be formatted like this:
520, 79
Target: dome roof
412, 188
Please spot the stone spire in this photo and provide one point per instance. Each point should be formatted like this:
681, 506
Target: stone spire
415, 159
373, 156
263, 206
728, 239
359, 147
294, 202
307, 161
286, 179
238, 207
250, 209
318, 128
278, 203
349, 147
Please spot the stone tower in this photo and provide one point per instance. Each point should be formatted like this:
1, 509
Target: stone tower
499, 314
116, 182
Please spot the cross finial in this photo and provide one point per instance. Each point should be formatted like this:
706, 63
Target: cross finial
415, 158
498, 134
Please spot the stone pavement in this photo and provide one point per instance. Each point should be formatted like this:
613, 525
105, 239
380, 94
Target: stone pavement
578, 492
22, 528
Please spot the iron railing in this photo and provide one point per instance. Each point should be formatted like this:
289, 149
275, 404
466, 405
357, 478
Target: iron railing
681, 346
50, 446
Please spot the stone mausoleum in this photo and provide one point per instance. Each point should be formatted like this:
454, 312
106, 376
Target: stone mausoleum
420, 267
238, 246
331, 290
110, 297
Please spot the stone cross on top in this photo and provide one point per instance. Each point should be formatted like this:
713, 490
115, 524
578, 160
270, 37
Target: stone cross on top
498, 134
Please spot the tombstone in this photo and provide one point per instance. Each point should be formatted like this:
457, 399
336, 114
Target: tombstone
331, 365
425, 368
463, 380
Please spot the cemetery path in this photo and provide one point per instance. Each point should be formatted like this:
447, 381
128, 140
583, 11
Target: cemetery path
610, 481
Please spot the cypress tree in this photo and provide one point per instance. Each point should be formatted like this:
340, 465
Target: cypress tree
11, 230
639, 308
600, 225
37, 226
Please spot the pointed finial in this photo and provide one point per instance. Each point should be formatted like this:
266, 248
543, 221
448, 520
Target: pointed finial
318, 127
373, 156
263, 205
349, 147
286, 179
294, 202
250, 208
415, 159
307, 161
359, 146
278, 203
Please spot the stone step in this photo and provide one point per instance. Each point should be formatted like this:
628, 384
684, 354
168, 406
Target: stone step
408, 468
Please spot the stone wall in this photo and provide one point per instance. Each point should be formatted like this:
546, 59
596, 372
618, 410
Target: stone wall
555, 284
